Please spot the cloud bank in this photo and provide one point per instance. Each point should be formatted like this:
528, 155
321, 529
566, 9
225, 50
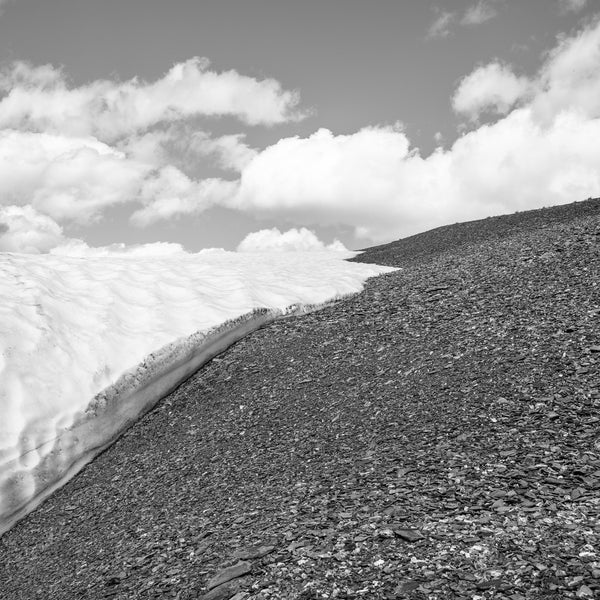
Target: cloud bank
541, 151
68, 153
41, 99
68, 161
67, 178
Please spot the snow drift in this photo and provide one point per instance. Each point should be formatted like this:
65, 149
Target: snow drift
88, 345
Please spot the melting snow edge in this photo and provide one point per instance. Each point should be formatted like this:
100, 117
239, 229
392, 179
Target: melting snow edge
119, 406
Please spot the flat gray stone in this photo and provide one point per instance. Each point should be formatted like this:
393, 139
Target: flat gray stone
233, 572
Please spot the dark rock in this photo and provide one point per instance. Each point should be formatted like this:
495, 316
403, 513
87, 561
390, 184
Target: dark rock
238, 570
409, 535
226, 590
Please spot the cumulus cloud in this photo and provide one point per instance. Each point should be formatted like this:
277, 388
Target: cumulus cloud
567, 6
328, 179
41, 99
370, 180
77, 179
23, 229
70, 152
539, 148
374, 183
293, 240
570, 78
493, 87
541, 153
65, 178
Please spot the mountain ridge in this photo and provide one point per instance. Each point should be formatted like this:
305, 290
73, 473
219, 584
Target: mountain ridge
448, 237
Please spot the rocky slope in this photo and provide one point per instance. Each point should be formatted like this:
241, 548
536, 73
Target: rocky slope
437, 436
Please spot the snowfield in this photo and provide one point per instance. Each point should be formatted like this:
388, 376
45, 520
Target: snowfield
88, 344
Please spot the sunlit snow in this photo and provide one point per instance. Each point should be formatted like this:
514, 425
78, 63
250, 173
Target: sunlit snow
88, 344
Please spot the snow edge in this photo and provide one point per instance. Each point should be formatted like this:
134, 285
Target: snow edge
116, 408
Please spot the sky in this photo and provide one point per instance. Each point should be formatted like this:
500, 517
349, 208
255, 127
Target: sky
272, 124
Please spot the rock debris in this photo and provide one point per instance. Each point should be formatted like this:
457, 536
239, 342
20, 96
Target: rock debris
437, 436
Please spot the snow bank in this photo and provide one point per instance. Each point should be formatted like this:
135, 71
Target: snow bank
87, 345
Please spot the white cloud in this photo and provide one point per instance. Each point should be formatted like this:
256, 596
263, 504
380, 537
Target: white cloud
171, 193
544, 152
372, 182
23, 229
293, 240
71, 152
40, 99
571, 5
570, 78
326, 178
541, 150
478, 13
493, 87
77, 179
65, 178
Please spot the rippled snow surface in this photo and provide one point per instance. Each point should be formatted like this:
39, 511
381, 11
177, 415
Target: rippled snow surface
88, 344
